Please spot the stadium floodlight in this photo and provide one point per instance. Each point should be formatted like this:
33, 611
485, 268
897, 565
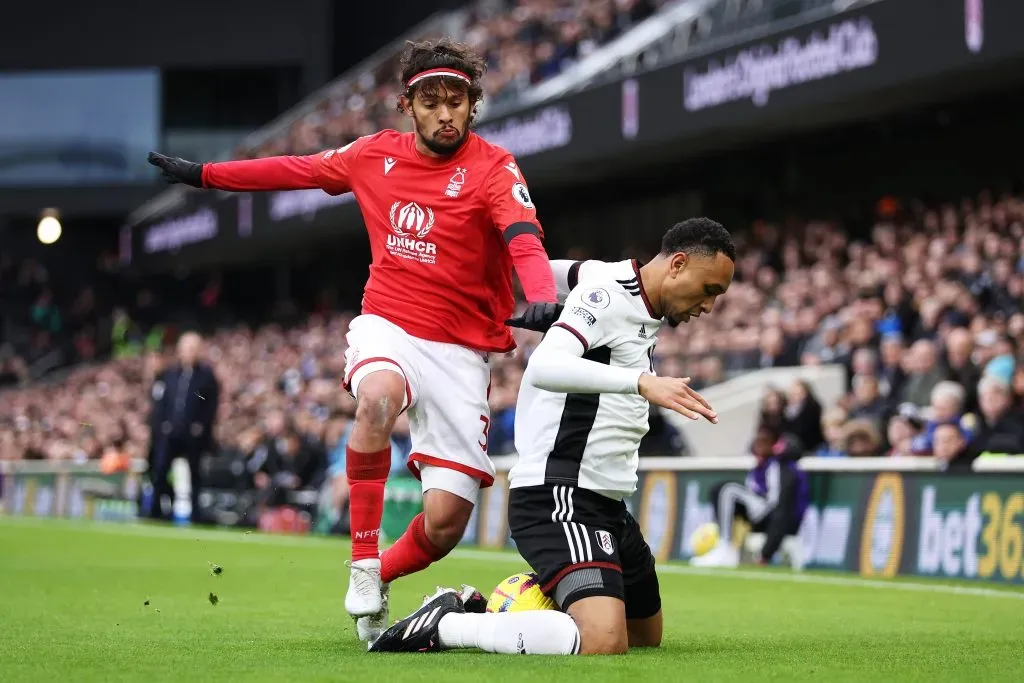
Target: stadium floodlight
49, 229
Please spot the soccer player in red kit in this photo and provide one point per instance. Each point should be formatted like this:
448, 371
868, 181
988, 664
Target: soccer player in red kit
448, 216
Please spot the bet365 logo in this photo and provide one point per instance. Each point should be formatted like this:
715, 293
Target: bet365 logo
980, 539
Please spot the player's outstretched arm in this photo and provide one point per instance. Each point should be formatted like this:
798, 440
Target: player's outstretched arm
254, 175
557, 364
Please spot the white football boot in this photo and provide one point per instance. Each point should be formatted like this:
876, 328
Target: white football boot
369, 628
365, 592
722, 555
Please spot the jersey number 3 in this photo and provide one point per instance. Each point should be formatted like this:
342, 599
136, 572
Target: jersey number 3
487, 426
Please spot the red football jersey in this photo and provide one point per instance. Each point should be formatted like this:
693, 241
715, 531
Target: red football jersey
441, 270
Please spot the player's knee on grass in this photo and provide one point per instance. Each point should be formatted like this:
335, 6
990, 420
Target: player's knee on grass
643, 610
601, 621
445, 518
645, 632
380, 399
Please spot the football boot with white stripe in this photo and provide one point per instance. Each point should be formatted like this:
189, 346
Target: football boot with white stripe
473, 600
418, 631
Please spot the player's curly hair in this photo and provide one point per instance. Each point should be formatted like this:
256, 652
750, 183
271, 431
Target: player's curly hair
700, 236
442, 54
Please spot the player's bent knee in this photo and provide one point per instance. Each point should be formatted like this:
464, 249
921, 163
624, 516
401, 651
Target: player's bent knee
645, 632
445, 518
643, 611
381, 396
601, 621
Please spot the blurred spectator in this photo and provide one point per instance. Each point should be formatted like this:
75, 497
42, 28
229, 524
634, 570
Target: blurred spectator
832, 427
861, 439
1001, 424
186, 397
287, 460
960, 368
827, 346
904, 427
891, 376
951, 448
923, 372
802, 416
773, 409
773, 349
867, 402
947, 407
710, 372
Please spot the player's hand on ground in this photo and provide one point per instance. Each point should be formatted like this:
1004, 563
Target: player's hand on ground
175, 170
676, 394
537, 317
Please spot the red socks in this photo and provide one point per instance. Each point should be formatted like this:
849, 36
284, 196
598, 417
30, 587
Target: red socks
367, 474
413, 552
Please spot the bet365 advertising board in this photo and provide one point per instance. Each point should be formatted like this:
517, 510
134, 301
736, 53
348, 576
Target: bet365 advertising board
877, 524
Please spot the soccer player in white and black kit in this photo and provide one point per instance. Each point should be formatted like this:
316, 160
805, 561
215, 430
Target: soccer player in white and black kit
582, 411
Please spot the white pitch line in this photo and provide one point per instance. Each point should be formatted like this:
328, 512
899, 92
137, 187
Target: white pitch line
229, 536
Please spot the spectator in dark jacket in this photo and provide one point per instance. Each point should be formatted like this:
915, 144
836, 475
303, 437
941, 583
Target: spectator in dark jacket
867, 403
924, 373
803, 416
773, 409
951, 449
185, 399
1001, 427
959, 368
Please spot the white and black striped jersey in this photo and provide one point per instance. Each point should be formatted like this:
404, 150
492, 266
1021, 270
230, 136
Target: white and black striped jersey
590, 440
570, 273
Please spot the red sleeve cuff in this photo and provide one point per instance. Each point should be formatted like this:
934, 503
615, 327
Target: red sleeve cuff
533, 267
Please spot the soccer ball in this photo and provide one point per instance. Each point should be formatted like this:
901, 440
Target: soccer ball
519, 593
704, 538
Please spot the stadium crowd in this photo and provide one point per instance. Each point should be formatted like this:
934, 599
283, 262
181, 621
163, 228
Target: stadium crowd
926, 316
523, 42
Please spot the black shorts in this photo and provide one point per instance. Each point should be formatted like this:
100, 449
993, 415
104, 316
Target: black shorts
582, 544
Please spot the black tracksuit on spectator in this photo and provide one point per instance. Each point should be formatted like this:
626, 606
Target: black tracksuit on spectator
184, 407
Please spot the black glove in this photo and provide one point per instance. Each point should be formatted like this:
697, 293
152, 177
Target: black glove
537, 317
175, 170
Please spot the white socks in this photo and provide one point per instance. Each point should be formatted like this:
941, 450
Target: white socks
536, 632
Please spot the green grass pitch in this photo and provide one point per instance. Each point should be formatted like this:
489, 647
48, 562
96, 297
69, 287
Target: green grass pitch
72, 608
